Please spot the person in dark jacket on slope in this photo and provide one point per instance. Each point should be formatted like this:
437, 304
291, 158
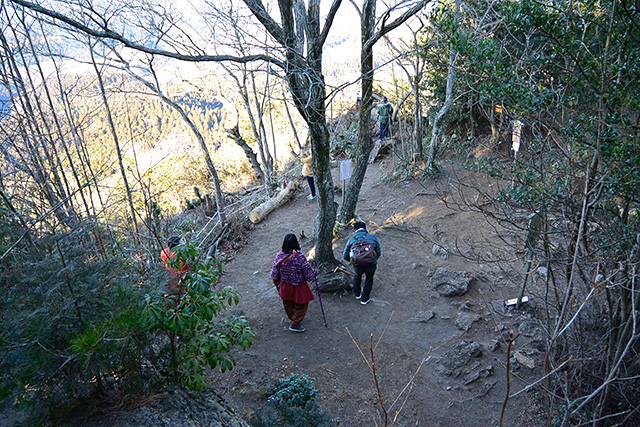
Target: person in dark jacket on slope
291, 273
363, 294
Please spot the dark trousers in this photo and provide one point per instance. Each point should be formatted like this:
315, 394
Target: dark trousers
295, 312
312, 186
368, 271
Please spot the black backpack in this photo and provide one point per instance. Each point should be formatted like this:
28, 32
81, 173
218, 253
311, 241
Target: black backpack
364, 252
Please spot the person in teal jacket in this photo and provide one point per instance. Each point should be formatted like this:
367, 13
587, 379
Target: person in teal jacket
385, 109
360, 232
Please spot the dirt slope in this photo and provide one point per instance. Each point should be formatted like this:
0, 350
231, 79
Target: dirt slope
462, 381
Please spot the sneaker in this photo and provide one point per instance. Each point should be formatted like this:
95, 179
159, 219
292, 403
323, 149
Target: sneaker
296, 328
363, 302
311, 197
358, 296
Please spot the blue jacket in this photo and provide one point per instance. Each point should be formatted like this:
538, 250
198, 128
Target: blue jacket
358, 236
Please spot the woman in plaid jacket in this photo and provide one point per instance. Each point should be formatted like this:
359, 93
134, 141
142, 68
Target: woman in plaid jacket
291, 273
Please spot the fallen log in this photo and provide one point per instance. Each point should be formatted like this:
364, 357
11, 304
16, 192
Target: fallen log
374, 151
380, 146
261, 212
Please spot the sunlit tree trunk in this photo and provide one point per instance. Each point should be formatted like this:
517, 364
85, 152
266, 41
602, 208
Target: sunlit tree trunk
263, 173
203, 146
234, 134
29, 158
306, 82
363, 148
116, 141
369, 38
56, 120
435, 131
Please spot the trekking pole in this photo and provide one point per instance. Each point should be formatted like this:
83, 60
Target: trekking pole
320, 299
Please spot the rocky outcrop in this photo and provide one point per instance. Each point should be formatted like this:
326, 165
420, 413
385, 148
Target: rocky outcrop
177, 408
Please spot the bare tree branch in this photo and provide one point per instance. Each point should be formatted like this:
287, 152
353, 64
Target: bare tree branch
386, 28
329, 21
107, 33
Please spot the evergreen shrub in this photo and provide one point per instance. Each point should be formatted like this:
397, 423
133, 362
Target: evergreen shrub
293, 404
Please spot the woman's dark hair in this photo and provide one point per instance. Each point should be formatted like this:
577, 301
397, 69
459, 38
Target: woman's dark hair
174, 241
290, 244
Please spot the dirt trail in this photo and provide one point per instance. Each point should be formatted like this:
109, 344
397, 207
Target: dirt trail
451, 388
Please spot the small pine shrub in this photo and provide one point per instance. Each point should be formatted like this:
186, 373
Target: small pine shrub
293, 404
69, 326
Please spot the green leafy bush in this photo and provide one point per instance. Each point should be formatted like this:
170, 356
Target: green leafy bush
193, 337
75, 328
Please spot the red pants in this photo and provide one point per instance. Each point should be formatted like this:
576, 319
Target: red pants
295, 312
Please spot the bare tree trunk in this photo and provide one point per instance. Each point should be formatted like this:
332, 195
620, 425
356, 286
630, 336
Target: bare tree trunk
293, 127
363, 149
262, 140
201, 142
56, 170
265, 170
435, 132
268, 92
56, 120
114, 134
414, 77
367, 26
418, 126
41, 137
85, 163
234, 134
35, 166
309, 93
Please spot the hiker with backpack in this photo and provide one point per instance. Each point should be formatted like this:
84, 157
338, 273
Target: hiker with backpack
291, 273
363, 251
385, 109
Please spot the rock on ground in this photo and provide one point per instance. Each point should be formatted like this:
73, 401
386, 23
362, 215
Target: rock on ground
422, 316
461, 354
465, 320
450, 283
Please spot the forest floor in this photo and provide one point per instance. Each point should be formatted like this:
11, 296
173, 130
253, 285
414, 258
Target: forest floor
440, 361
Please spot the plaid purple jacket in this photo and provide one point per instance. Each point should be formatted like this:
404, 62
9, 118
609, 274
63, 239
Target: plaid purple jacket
294, 271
